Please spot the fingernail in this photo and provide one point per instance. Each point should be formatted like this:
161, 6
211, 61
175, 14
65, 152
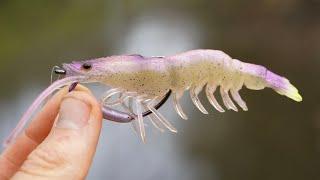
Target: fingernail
74, 114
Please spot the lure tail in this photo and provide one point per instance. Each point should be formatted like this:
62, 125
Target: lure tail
258, 77
282, 86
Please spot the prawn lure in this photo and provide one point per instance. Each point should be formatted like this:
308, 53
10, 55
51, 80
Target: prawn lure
140, 85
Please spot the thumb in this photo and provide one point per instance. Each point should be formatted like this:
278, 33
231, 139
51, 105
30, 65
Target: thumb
68, 150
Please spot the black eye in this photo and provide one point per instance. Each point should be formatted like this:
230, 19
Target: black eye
86, 66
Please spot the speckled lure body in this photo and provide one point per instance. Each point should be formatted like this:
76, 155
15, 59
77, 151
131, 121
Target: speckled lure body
154, 76
142, 81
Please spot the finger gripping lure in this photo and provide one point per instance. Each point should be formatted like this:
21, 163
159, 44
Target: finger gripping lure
141, 83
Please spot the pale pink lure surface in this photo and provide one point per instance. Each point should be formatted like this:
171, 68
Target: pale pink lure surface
139, 82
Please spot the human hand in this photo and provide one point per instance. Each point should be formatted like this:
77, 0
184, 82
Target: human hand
59, 143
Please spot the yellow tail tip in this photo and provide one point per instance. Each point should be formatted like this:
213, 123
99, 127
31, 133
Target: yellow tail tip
290, 91
297, 97
282, 86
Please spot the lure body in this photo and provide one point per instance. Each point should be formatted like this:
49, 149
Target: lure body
146, 79
141, 81
154, 76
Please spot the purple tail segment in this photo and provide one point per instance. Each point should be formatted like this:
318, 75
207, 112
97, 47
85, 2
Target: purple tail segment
282, 86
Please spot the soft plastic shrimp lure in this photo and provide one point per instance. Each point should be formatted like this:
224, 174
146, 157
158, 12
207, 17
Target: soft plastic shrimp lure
145, 83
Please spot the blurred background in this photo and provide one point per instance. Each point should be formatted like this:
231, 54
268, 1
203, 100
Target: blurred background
276, 139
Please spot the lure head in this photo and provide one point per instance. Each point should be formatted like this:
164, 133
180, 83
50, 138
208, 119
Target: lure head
108, 70
92, 70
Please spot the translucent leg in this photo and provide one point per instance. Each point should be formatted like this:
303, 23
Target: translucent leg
122, 97
110, 93
161, 119
140, 121
194, 92
210, 89
236, 96
177, 106
155, 122
227, 100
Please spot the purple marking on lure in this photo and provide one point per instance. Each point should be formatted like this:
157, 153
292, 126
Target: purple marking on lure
137, 55
116, 116
73, 86
275, 80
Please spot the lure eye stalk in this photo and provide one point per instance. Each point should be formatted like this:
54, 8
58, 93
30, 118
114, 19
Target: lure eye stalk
59, 70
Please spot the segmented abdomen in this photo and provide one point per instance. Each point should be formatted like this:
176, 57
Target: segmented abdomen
200, 66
